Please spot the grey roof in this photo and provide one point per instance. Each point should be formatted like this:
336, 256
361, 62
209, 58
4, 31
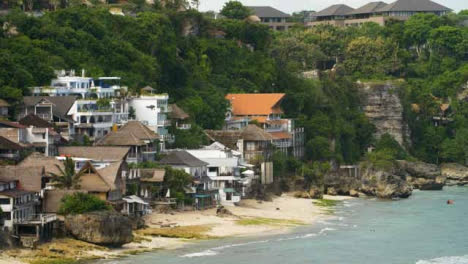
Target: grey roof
368, 8
268, 11
62, 104
334, 10
182, 157
6, 144
413, 5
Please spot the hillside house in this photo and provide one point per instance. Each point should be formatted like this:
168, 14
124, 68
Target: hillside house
4, 109
341, 15
141, 140
183, 160
179, 117
272, 17
9, 150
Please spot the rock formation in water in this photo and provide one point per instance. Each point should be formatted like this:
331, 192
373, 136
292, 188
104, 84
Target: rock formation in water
382, 105
421, 175
385, 184
103, 228
456, 174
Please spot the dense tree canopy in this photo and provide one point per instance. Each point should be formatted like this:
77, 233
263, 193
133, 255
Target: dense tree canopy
197, 60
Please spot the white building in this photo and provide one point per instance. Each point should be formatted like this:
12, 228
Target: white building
152, 110
17, 206
94, 120
223, 174
67, 84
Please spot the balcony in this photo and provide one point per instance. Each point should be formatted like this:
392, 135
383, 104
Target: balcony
164, 122
36, 219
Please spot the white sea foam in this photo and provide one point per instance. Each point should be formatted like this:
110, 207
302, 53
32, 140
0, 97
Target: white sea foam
201, 254
325, 230
446, 260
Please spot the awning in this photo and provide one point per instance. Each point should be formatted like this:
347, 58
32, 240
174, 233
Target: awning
134, 199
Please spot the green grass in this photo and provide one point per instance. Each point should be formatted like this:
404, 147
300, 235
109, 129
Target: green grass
188, 232
268, 221
326, 203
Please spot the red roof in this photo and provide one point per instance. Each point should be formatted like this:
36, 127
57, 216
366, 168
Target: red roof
281, 135
255, 104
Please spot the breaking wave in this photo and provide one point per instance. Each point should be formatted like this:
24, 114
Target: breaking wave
446, 260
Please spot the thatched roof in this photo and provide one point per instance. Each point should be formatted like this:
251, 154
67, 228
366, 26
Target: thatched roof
93, 180
133, 133
254, 133
152, 175
39, 160
101, 153
6, 144
182, 158
30, 178
177, 112
35, 121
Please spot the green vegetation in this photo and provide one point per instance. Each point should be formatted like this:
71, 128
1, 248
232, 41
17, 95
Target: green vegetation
79, 203
187, 232
268, 221
326, 203
67, 178
176, 180
156, 48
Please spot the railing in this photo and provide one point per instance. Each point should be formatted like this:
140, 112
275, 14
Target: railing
36, 219
164, 122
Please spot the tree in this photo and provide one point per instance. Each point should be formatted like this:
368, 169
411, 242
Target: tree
79, 203
67, 177
235, 10
177, 180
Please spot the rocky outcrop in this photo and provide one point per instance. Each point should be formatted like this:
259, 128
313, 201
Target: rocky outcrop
456, 174
384, 184
103, 228
423, 176
383, 107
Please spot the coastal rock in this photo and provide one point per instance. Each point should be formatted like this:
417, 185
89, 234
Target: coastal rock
332, 191
316, 192
456, 174
423, 176
385, 185
353, 193
103, 228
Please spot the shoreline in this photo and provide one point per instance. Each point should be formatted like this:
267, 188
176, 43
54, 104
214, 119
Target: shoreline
251, 218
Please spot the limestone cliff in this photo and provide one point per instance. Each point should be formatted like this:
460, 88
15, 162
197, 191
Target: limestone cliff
382, 105
456, 174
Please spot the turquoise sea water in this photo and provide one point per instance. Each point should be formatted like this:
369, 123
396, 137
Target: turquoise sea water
422, 229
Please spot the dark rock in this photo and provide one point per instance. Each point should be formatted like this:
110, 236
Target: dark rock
103, 228
423, 176
222, 212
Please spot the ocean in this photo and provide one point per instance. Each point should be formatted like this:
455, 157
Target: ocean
420, 230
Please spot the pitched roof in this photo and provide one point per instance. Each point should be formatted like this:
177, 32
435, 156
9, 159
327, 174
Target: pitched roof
4, 103
229, 138
61, 104
15, 193
110, 174
368, 8
6, 144
182, 157
29, 178
152, 175
281, 135
334, 10
101, 153
267, 11
254, 133
37, 160
91, 180
413, 5
35, 121
9, 124
177, 112
133, 133
255, 104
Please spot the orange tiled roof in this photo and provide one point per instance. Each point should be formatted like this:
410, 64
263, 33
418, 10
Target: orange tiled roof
255, 104
260, 119
281, 135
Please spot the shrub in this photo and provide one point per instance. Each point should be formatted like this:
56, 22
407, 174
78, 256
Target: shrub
79, 203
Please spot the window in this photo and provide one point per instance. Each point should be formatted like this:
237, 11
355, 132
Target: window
250, 146
4, 200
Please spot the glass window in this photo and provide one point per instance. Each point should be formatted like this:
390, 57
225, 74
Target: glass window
6, 216
4, 200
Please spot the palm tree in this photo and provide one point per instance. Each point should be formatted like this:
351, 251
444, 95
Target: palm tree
68, 178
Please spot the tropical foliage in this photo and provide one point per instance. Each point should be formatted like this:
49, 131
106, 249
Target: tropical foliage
67, 178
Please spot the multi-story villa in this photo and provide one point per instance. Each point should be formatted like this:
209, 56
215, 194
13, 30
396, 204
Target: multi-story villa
67, 84
266, 111
378, 12
96, 118
273, 18
152, 110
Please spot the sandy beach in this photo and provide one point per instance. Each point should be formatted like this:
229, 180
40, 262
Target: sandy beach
250, 218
